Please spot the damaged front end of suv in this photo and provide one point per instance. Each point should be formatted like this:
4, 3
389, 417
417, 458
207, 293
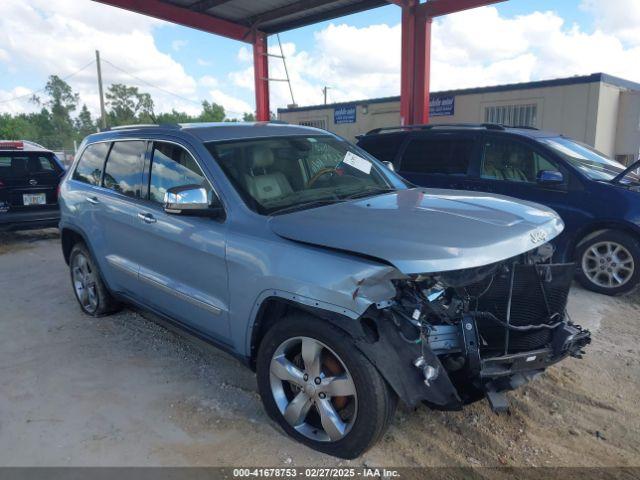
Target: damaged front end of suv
474, 333
464, 303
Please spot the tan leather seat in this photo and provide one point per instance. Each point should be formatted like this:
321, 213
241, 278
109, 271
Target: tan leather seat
490, 168
512, 170
262, 184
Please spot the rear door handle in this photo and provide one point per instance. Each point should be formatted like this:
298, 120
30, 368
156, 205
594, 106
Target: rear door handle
93, 200
147, 218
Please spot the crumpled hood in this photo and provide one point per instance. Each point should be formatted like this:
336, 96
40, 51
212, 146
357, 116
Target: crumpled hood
426, 230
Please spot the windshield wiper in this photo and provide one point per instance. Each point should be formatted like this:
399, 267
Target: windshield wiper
618, 178
306, 205
370, 191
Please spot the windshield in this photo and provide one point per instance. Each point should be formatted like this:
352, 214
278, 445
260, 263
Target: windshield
591, 162
281, 174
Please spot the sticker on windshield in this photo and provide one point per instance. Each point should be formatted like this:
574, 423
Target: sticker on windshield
357, 162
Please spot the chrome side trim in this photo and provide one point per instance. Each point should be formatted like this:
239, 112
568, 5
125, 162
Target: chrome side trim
183, 296
122, 265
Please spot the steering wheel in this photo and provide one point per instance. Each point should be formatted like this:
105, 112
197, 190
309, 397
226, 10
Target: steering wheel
320, 173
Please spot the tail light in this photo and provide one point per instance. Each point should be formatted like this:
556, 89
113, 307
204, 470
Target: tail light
1, 183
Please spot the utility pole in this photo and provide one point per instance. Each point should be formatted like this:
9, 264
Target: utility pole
324, 92
103, 115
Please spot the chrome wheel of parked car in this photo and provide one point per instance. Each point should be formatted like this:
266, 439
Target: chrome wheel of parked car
608, 264
313, 389
84, 283
91, 293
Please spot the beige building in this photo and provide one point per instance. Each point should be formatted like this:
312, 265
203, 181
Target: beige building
600, 110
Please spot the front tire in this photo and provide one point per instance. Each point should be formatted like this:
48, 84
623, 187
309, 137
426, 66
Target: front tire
609, 263
321, 389
90, 291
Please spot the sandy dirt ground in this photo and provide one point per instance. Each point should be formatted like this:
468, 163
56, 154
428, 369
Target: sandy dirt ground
123, 390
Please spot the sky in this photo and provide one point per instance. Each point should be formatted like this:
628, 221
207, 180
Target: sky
357, 56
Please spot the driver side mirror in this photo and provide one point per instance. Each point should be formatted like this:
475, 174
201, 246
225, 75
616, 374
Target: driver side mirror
549, 177
192, 200
389, 165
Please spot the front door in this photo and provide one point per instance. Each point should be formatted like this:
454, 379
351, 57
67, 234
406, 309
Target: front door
183, 271
511, 167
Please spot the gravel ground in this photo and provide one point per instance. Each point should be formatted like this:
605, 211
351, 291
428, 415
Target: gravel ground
123, 390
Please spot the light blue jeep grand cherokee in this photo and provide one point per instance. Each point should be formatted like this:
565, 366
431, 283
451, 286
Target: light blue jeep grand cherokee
343, 286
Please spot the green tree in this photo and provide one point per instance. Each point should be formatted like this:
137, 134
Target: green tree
175, 117
128, 105
54, 125
248, 117
84, 124
211, 112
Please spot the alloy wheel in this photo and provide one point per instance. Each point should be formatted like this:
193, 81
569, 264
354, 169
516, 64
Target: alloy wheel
84, 283
313, 389
608, 264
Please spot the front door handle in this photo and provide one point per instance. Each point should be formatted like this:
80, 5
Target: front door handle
147, 218
93, 200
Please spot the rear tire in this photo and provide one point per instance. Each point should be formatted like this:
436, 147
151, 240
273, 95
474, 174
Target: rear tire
86, 280
609, 263
363, 402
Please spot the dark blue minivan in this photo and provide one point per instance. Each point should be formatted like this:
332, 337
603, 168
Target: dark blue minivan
598, 198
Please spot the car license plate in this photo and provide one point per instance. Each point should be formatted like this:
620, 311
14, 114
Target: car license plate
34, 199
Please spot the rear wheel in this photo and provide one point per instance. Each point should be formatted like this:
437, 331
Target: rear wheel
320, 389
90, 291
609, 263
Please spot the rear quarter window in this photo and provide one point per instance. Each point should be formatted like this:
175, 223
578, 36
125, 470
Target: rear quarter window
91, 163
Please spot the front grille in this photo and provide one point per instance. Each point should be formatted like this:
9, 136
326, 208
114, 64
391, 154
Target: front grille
539, 296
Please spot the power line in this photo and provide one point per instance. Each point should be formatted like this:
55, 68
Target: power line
168, 92
31, 94
150, 84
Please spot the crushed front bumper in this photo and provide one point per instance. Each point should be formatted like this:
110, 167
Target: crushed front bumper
495, 374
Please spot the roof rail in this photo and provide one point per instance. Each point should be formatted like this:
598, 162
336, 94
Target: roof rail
431, 126
146, 125
525, 127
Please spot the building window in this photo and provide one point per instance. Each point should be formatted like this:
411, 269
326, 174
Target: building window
318, 123
512, 115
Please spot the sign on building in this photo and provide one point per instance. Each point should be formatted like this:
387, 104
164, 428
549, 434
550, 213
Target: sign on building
442, 106
345, 114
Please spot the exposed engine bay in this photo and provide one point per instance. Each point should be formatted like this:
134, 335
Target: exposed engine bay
482, 331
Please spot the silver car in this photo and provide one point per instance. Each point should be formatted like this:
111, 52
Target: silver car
342, 285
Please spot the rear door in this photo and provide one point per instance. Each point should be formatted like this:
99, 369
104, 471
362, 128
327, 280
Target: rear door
29, 180
438, 160
116, 206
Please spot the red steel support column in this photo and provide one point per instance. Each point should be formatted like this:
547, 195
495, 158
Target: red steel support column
416, 62
261, 76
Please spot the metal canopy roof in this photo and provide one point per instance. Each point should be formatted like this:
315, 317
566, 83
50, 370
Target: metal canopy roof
273, 16
252, 21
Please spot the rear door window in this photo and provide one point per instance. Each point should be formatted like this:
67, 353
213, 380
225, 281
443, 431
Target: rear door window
90, 165
438, 155
123, 172
172, 166
384, 147
25, 164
